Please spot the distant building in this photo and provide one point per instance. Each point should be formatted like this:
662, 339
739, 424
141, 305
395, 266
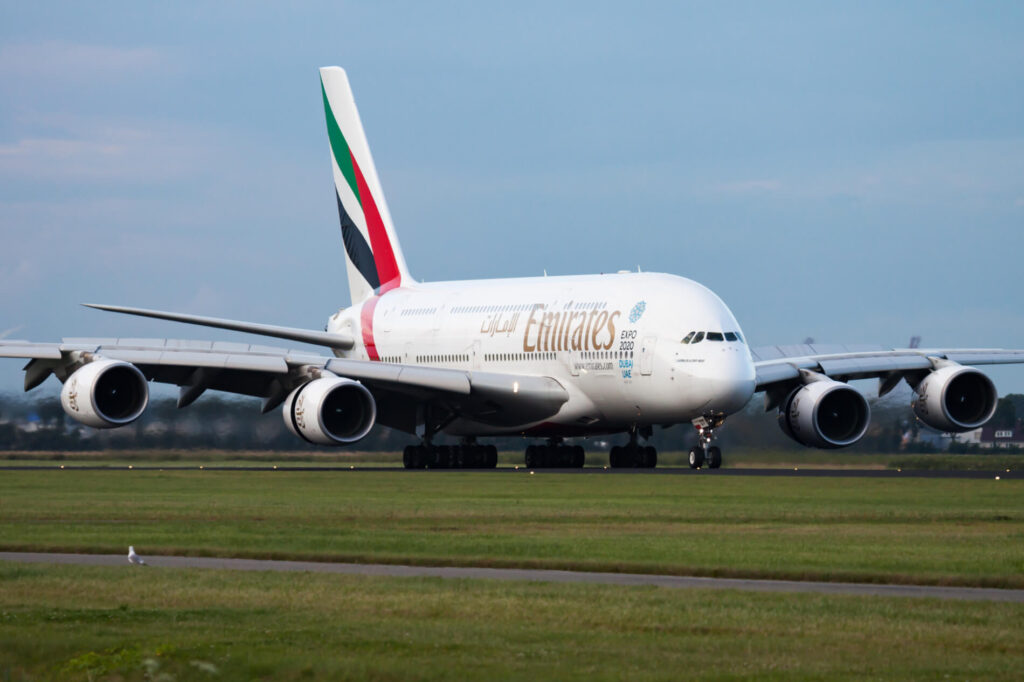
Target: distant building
995, 437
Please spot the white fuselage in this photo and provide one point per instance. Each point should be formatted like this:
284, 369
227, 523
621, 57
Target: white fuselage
614, 342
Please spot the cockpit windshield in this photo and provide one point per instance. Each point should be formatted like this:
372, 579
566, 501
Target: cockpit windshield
697, 337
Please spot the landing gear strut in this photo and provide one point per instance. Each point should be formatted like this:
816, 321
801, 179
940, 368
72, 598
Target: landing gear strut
466, 455
555, 455
633, 455
703, 453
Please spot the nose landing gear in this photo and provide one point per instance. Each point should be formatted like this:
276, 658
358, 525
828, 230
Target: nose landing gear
703, 453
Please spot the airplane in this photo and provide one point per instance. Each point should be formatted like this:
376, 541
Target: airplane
549, 358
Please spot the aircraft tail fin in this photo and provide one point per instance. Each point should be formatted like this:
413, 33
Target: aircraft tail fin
372, 253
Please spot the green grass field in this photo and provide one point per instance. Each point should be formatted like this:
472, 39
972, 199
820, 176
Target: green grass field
61, 622
65, 622
966, 532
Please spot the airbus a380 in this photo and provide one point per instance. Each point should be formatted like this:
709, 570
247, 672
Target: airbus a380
546, 357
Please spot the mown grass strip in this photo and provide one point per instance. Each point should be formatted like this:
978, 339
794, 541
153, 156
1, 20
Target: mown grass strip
945, 532
69, 622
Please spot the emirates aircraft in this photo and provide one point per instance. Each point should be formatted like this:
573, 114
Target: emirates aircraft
546, 358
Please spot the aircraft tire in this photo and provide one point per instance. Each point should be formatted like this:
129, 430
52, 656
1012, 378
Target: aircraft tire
409, 457
578, 457
696, 457
650, 457
714, 457
491, 457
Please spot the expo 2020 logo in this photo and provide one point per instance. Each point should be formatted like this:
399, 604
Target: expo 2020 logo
637, 312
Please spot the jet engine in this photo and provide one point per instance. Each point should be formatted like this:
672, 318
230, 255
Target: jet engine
955, 399
330, 411
105, 394
825, 414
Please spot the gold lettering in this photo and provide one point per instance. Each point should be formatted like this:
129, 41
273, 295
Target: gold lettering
586, 334
602, 318
611, 329
579, 333
527, 347
550, 323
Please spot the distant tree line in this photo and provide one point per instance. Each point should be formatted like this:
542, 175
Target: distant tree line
227, 423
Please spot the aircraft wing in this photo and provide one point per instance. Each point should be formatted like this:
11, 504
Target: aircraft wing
778, 367
272, 373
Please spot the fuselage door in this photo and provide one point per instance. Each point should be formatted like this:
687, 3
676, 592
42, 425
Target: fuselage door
647, 355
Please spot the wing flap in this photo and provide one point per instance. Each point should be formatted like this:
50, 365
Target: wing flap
28, 350
778, 364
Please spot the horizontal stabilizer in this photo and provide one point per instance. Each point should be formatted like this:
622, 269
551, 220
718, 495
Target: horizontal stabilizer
316, 338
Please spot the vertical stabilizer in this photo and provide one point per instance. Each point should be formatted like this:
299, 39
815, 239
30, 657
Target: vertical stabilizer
372, 254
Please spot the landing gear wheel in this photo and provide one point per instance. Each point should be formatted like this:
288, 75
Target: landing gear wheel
578, 457
696, 457
491, 458
409, 457
714, 457
650, 458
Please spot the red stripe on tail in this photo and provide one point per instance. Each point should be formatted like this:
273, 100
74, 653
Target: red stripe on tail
383, 254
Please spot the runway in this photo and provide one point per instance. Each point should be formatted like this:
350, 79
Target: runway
534, 575
795, 472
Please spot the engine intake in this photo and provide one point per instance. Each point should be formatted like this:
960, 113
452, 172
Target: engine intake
825, 414
330, 411
955, 398
105, 394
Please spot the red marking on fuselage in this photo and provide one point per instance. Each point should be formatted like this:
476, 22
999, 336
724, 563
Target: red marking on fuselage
366, 323
380, 243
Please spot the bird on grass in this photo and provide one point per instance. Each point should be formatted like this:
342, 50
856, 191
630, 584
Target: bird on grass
134, 558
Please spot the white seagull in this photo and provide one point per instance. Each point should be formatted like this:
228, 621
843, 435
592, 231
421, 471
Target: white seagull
134, 558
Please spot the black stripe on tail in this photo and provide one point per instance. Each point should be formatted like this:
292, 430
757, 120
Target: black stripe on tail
356, 247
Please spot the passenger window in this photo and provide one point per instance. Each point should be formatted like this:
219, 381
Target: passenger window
698, 338
688, 337
730, 336
715, 336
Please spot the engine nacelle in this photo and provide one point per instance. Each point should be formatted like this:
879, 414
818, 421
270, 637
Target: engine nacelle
330, 411
825, 414
955, 398
105, 394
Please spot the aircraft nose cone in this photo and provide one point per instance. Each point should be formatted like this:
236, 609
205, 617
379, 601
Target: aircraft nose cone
728, 380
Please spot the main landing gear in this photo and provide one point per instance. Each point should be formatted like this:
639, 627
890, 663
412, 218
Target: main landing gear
633, 455
703, 453
555, 455
466, 455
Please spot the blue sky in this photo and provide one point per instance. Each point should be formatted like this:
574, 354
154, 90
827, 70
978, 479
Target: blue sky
850, 172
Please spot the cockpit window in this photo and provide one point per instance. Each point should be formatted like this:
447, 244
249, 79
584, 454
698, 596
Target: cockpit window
739, 337
698, 338
730, 336
715, 336
688, 337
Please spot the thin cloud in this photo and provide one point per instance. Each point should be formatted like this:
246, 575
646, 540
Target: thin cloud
749, 186
87, 153
59, 60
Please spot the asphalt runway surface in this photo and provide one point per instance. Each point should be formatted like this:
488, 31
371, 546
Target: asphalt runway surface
660, 471
529, 575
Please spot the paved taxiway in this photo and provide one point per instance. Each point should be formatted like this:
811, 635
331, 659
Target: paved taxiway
683, 471
535, 575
